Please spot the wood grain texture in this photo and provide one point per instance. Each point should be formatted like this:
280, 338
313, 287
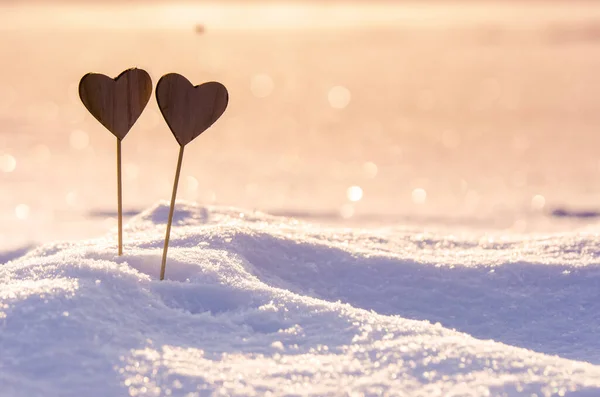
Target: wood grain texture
116, 103
189, 110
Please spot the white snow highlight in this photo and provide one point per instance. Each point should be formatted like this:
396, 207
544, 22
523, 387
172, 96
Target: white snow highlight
263, 305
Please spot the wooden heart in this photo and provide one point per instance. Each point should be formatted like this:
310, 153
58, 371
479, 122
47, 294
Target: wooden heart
189, 110
116, 103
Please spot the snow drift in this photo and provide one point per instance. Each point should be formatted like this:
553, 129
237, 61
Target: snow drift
261, 305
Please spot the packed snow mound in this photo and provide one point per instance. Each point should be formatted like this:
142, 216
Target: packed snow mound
261, 305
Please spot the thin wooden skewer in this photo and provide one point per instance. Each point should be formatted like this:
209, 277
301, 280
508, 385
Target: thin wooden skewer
119, 197
171, 210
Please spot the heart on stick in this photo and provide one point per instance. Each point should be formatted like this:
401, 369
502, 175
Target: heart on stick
116, 103
190, 110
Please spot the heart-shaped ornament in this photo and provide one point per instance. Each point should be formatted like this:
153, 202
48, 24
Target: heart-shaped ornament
189, 110
116, 103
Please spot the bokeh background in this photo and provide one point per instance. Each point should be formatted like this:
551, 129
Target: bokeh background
455, 114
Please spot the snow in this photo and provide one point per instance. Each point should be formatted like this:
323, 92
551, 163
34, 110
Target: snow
256, 304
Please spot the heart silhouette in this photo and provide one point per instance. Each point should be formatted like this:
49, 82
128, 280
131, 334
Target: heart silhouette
116, 103
189, 110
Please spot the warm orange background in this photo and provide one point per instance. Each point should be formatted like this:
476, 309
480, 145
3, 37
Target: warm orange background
461, 113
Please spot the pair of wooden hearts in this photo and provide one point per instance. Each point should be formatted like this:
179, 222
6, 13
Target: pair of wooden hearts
118, 103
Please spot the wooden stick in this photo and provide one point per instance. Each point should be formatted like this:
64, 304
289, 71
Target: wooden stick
171, 210
119, 197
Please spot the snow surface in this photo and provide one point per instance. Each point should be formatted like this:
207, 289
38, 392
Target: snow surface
260, 305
